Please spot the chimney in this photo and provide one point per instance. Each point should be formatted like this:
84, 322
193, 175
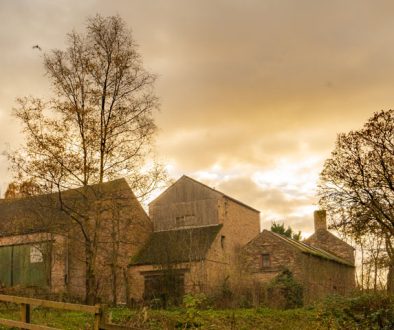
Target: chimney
320, 220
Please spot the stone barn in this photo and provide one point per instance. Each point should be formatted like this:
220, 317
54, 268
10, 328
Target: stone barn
42, 248
198, 233
323, 264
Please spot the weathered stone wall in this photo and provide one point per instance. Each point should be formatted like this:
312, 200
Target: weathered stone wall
123, 227
321, 277
318, 276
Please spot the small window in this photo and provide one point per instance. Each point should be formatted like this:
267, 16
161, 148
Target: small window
185, 220
265, 260
222, 239
180, 221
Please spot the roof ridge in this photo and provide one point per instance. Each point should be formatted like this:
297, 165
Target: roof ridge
306, 248
188, 228
206, 186
70, 190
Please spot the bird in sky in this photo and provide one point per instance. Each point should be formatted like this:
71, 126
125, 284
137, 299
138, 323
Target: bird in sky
37, 47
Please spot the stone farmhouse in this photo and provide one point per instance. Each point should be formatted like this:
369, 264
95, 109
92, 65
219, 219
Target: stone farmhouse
42, 249
204, 239
323, 264
196, 239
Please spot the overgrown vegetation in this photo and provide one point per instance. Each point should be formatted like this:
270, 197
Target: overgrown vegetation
363, 311
366, 311
284, 291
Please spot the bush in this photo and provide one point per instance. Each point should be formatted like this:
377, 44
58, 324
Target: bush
193, 303
284, 291
365, 311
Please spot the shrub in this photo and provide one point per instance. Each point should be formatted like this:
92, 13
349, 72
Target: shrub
193, 303
365, 311
284, 291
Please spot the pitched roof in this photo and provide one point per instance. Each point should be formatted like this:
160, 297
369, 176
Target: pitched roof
38, 213
175, 246
325, 234
208, 187
305, 248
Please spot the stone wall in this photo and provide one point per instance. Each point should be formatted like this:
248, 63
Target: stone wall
317, 275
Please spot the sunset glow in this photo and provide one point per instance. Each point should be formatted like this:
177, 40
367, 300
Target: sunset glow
252, 93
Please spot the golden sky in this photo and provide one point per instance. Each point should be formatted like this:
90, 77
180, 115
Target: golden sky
253, 92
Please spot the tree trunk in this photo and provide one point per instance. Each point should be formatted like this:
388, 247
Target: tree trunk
127, 287
91, 286
390, 278
114, 284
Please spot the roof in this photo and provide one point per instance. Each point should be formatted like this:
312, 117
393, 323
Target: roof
37, 213
208, 187
176, 246
314, 251
325, 234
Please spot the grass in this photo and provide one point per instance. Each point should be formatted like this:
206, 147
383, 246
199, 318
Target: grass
260, 318
362, 311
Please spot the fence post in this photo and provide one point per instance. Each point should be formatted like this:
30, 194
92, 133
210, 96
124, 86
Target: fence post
25, 313
97, 318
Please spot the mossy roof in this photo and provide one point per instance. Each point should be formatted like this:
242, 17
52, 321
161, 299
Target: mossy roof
308, 249
41, 213
176, 246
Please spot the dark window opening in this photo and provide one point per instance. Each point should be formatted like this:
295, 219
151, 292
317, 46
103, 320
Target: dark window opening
222, 239
164, 288
265, 260
185, 220
180, 221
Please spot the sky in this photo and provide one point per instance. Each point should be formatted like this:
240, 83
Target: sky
253, 93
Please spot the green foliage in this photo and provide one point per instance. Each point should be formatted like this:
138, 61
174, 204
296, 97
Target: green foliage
366, 311
279, 228
193, 303
284, 291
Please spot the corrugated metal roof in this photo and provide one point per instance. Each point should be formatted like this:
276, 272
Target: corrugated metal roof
175, 246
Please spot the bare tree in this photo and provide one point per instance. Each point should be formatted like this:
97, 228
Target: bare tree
98, 125
357, 184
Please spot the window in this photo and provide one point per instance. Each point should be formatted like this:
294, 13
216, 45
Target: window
185, 220
265, 260
180, 221
222, 239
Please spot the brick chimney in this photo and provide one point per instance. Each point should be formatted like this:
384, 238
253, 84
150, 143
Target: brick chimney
320, 220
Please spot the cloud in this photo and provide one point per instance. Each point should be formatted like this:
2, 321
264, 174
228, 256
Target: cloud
253, 92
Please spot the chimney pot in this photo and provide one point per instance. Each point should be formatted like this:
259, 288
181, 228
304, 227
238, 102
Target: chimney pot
320, 220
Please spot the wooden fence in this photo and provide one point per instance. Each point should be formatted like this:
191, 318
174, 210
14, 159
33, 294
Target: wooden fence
100, 317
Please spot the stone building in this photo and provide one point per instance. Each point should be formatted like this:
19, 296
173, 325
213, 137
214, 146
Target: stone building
198, 233
323, 264
43, 248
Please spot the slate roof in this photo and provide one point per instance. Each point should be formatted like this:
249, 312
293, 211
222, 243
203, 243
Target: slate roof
175, 246
308, 249
40, 213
